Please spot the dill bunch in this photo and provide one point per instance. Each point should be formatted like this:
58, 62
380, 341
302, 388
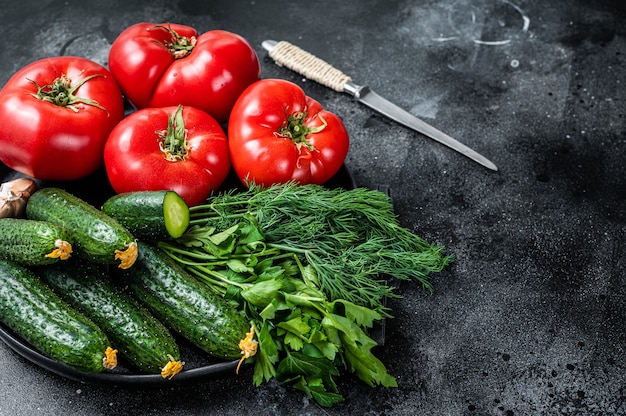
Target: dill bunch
351, 238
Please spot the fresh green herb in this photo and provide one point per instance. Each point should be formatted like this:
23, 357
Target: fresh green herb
351, 238
306, 265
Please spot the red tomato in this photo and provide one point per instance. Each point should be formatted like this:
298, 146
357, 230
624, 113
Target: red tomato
170, 148
55, 116
277, 134
160, 65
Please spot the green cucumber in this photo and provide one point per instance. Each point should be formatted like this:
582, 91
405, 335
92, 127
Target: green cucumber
140, 338
34, 312
98, 237
150, 215
34, 243
184, 304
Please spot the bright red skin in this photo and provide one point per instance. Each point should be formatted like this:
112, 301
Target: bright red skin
210, 78
260, 155
49, 142
134, 161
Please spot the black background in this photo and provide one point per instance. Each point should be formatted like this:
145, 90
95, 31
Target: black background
530, 317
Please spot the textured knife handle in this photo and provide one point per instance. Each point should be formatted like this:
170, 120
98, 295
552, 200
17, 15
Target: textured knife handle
312, 67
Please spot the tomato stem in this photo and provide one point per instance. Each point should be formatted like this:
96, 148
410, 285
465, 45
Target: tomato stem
180, 46
173, 141
295, 130
61, 92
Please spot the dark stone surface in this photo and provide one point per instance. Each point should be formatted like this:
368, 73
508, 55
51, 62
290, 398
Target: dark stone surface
530, 318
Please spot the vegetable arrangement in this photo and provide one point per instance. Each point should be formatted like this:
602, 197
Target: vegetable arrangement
305, 264
285, 273
69, 308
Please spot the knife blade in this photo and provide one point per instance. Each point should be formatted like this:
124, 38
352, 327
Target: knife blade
290, 56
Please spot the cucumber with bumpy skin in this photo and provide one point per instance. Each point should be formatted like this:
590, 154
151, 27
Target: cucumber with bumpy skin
98, 237
150, 215
140, 338
34, 312
34, 243
184, 304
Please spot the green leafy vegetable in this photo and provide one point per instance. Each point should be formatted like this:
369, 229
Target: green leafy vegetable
309, 266
350, 238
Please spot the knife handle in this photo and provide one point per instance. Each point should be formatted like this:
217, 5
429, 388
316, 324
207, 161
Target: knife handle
307, 64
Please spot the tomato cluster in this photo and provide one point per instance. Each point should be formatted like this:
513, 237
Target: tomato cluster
62, 118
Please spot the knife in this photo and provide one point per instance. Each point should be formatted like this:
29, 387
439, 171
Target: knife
292, 57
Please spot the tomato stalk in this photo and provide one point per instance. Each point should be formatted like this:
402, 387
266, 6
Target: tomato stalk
295, 130
173, 141
180, 46
61, 92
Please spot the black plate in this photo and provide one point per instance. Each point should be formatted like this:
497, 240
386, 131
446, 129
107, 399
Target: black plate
95, 189
122, 374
